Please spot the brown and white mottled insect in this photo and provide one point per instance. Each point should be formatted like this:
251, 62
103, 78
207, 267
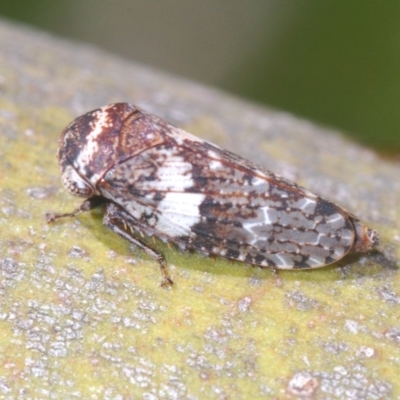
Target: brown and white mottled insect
158, 180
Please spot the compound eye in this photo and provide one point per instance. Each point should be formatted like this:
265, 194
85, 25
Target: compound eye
75, 184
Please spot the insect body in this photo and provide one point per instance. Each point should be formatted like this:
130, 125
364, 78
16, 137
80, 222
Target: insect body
158, 180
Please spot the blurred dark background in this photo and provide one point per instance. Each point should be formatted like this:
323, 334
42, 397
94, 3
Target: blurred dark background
334, 62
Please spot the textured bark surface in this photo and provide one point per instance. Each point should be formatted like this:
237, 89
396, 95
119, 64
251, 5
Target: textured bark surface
82, 313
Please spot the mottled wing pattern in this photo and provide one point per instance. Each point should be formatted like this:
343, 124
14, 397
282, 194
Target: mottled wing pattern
200, 197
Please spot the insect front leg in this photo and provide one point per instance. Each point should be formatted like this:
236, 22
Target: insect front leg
118, 221
87, 205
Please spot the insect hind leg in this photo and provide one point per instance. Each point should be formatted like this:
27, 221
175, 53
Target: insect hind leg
117, 220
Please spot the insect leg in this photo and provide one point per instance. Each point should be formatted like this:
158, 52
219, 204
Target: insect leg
115, 219
87, 205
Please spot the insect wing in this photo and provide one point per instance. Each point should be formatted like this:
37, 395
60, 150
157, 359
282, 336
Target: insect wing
201, 197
